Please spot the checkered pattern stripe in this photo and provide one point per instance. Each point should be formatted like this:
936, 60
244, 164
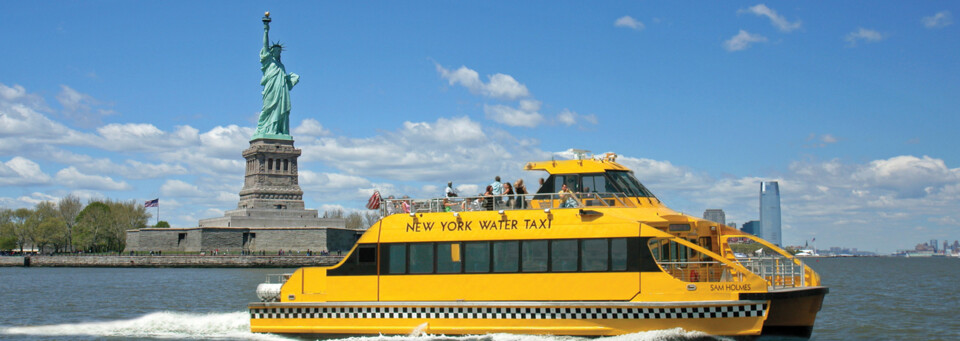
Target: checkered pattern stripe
521, 313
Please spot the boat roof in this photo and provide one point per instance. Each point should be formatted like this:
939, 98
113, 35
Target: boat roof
584, 165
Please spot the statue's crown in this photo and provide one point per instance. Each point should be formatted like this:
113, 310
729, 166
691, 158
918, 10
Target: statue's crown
279, 45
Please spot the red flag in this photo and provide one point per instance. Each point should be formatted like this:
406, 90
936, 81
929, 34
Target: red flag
374, 202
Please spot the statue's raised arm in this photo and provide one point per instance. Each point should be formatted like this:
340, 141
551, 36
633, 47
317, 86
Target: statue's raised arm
274, 121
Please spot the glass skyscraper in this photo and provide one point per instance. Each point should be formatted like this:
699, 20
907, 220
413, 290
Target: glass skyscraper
770, 212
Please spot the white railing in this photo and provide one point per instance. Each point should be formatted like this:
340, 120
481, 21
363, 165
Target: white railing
780, 272
708, 271
505, 202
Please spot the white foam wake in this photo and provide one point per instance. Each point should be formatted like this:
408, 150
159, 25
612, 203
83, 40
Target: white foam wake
163, 325
236, 326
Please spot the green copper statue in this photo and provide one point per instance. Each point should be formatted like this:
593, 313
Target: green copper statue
274, 122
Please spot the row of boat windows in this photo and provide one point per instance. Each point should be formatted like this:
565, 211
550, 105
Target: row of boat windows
608, 182
564, 255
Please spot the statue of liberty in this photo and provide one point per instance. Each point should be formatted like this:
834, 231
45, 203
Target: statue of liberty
274, 121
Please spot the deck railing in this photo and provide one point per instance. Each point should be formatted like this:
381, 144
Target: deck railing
703, 271
505, 202
780, 272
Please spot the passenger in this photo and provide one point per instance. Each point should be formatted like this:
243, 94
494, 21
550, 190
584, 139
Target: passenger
521, 190
447, 205
567, 199
450, 191
497, 186
487, 199
508, 195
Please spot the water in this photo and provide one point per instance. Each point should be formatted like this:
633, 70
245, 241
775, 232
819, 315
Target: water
870, 298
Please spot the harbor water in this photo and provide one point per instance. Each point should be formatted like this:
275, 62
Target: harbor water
870, 298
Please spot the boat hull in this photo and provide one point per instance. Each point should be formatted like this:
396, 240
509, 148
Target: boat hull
744, 317
792, 311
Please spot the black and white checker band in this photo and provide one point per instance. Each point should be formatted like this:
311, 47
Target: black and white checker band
522, 313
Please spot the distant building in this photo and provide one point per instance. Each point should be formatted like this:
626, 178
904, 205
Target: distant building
715, 215
770, 212
751, 227
732, 224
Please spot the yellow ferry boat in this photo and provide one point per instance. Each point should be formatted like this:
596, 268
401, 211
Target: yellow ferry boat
607, 259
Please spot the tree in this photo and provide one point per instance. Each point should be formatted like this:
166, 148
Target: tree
354, 221
126, 215
69, 207
162, 223
334, 213
21, 226
46, 227
7, 239
370, 218
92, 222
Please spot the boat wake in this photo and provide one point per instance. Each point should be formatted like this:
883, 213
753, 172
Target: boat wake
159, 325
236, 326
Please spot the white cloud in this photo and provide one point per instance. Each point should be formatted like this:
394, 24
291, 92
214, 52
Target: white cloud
178, 188
515, 117
450, 149
742, 41
629, 22
310, 127
862, 34
224, 142
20, 171
73, 178
499, 86
908, 176
80, 107
940, 20
779, 21
569, 118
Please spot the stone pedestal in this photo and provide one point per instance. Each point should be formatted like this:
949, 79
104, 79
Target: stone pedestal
271, 194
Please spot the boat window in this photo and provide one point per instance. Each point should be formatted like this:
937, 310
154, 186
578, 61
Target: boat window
398, 258
618, 254
686, 264
594, 254
534, 256
368, 254
476, 257
563, 255
506, 256
597, 183
421, 258
547, 186
628, 184
446, 263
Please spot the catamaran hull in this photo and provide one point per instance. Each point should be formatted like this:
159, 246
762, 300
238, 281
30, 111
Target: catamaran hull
792, 311
744, 317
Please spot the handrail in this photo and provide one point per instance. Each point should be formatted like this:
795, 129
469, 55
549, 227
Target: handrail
808, 276
504, 202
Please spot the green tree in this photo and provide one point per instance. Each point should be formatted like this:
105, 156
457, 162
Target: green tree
7, 240
20, 225
69, 207
92, 224
162, 223
46, 227
126, 215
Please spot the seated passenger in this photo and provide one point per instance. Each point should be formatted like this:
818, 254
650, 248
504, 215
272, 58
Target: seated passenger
567, 199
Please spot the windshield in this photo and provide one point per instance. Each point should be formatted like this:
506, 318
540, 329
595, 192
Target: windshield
629, 184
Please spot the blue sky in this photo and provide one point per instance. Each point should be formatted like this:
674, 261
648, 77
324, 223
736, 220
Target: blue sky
852, 108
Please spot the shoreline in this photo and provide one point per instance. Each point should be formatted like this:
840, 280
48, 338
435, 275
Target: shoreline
177, 261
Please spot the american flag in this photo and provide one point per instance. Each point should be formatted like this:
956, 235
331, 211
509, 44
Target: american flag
152, 203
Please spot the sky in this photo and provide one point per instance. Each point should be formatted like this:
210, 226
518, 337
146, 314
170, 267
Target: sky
852, 108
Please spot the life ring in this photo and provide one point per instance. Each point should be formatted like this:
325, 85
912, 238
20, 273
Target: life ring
694, 275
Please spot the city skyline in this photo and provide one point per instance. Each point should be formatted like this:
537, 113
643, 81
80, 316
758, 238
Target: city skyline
851, 113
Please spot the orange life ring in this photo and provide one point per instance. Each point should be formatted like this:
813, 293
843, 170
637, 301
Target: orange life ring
694, 275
